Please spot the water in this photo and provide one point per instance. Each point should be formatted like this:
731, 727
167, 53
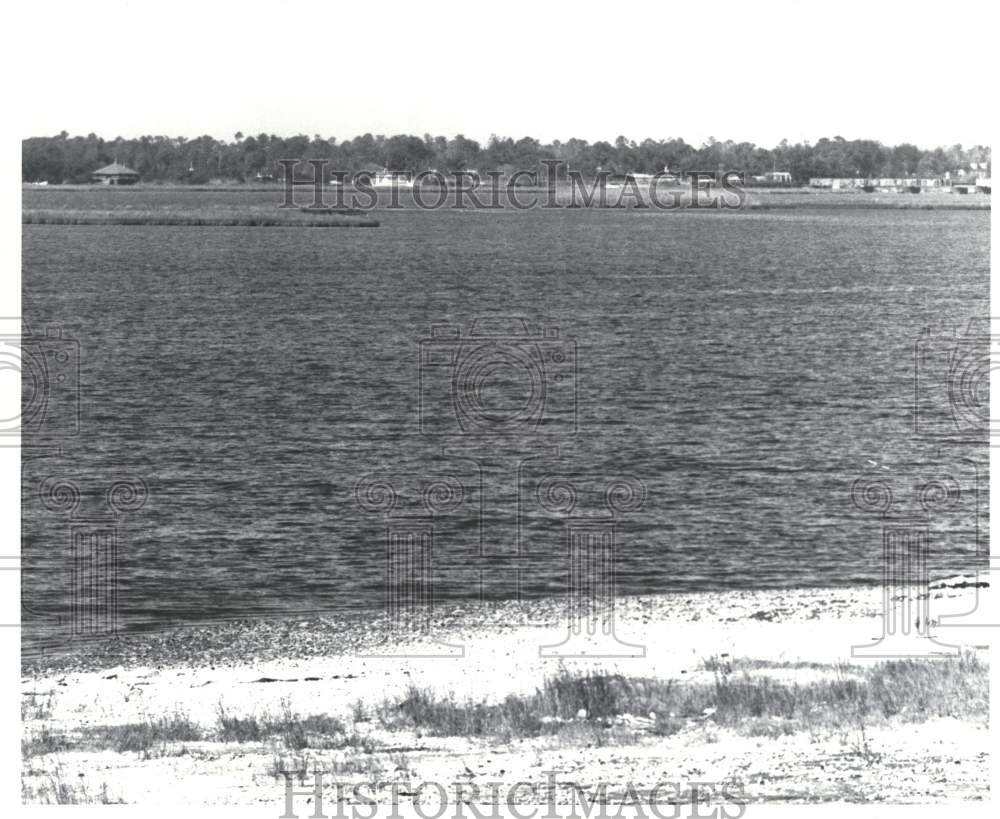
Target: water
747, 368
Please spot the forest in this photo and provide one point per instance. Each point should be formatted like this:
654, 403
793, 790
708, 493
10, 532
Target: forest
64, 159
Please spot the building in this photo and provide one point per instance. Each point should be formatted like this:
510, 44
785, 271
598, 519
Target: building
115, 174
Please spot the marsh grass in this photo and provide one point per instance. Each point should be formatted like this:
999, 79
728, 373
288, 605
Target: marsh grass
854, 697
205, 218
43, 741
365, 766
297, 732
143, 736
36, 706
55, 789
162, 736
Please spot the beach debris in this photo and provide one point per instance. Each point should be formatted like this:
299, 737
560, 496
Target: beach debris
633, 721
581, 714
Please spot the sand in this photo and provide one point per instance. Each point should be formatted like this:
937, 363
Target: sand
327, 665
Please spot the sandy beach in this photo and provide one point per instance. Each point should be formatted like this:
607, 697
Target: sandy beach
330, 666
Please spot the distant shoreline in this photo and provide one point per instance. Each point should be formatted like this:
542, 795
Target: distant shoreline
40, 203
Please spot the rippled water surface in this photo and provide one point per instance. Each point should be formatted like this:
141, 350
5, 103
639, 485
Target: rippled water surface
740, 369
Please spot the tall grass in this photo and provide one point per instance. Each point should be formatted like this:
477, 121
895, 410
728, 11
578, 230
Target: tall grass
143, 736
908, 689
44, 741
296, 732
57, 790
190, 219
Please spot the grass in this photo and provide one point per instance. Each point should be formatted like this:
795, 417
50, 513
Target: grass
191, 218
366, 765
314, 731
56, 790
44, 741
143, 736
756, 705
320, 731
296, 732
36, 706
602, 709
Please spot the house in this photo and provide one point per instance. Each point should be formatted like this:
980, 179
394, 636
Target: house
387, 179
115, 174
778, 177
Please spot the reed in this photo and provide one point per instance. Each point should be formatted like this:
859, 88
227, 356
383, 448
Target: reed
190, 219
912, 691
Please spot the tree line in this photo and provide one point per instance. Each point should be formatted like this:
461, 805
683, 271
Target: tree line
72, 159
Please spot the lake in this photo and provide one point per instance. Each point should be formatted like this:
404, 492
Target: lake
737, 371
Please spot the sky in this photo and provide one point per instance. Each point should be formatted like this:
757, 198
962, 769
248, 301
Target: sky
756, 72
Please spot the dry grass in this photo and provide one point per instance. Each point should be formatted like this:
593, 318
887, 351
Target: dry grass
57, 790
756, 705
144, 736
320, 731
36, 705
160, 737
44, 741
191, 218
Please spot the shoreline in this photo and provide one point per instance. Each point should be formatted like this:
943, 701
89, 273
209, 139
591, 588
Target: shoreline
184, 711
299, 636
54, 198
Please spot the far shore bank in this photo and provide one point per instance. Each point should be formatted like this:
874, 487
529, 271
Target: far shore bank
563, 196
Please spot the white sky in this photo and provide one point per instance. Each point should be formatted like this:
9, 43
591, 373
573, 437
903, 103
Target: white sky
744, 71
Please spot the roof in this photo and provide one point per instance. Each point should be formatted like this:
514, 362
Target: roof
115, 168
